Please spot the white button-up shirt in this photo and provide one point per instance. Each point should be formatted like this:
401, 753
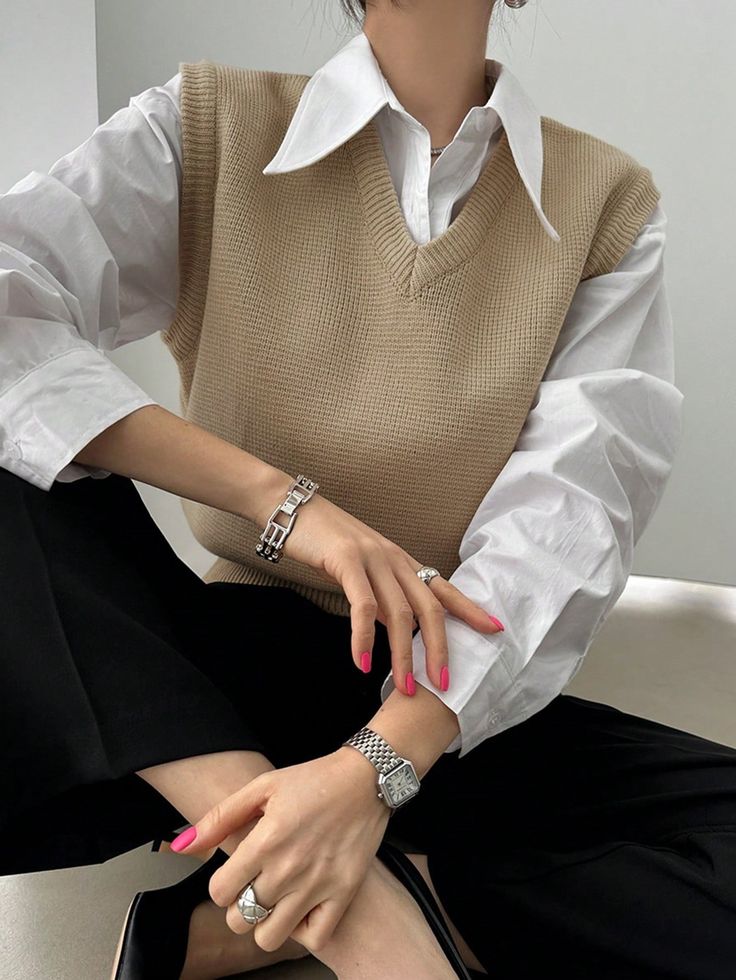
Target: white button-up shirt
88, 262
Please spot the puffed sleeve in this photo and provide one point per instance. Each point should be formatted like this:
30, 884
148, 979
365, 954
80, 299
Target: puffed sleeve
88, 262
551, 544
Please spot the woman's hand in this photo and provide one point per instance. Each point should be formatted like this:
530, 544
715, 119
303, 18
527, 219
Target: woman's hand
321, 825
380, 581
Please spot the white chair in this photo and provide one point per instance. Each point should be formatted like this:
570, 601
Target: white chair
668, 652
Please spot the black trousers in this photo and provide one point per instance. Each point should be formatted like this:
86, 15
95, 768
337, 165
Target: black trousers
585, 839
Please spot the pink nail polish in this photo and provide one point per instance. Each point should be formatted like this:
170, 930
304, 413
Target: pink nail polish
184, 839
365, 661
411, 687
444, 678
496, 622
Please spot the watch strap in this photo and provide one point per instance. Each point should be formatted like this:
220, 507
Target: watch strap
375, 748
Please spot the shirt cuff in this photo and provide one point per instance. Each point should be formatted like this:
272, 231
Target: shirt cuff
53, 411
479, 686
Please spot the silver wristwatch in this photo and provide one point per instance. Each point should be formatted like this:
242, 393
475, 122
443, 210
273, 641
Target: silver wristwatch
397, 778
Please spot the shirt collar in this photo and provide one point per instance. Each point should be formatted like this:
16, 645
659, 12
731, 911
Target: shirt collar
348, 90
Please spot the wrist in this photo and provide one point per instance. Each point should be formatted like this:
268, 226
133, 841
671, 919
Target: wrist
419, 728
265, 492
361, 774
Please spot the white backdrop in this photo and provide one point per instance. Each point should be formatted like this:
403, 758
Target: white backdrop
655, 78
48, 85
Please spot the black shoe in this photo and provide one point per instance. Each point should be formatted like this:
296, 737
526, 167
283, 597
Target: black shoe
156, 844
410, 877
153, 945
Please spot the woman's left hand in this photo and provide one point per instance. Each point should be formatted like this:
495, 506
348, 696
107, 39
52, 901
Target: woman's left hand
321, 825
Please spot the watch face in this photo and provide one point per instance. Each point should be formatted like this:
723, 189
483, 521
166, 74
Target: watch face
400, 784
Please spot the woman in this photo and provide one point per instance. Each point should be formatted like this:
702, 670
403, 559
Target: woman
400, 337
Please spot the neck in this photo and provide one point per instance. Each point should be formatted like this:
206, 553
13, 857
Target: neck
433, 56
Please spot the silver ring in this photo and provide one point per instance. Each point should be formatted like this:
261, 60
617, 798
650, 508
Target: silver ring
249, 907
426, 573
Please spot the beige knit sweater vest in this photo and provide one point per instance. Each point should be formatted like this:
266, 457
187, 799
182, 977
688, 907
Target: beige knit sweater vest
312, 330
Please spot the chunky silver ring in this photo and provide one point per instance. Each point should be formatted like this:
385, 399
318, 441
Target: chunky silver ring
249, 907
426, 573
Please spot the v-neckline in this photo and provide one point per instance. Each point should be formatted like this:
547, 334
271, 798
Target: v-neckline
413, 266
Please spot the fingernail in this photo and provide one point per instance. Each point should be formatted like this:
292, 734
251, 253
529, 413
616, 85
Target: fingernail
496, 622
184, 839
410, 685
444, 678
365, 661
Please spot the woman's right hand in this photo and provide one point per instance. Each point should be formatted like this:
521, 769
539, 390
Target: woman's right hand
380, 582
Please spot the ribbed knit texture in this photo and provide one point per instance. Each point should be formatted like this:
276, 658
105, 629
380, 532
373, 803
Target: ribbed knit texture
313, 332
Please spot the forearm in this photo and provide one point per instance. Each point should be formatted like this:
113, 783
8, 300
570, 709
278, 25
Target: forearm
419, 728
157, 447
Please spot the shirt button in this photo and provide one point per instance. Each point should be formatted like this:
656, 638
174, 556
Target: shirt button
11, 449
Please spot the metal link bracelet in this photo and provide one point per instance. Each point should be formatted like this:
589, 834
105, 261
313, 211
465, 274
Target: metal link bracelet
274, 534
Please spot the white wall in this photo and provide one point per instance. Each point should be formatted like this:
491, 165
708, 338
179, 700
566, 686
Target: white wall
655, 78
48, 81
